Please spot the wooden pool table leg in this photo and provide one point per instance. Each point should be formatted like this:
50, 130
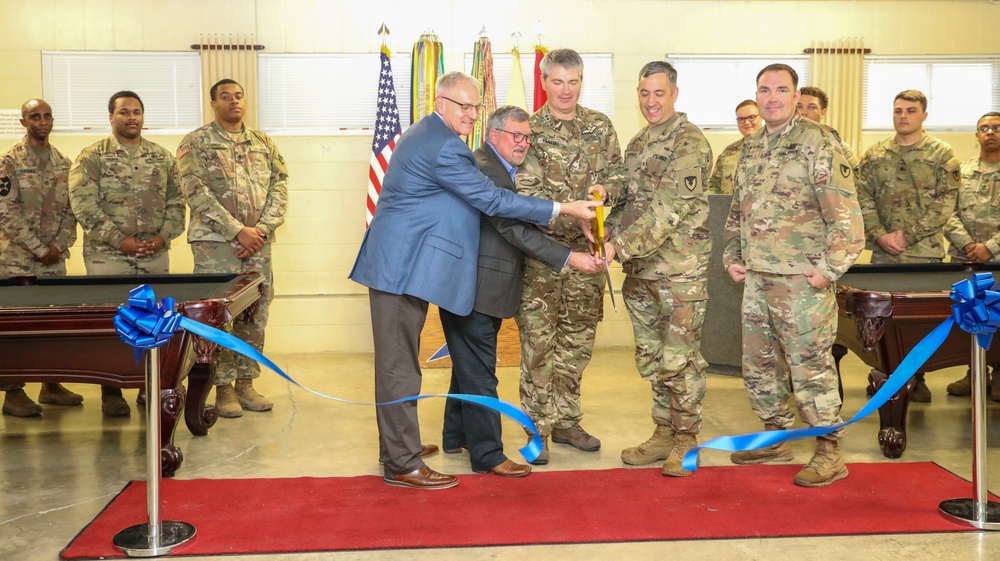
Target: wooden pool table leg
198, 415
892, 415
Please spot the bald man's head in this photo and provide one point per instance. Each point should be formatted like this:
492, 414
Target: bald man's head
36, 118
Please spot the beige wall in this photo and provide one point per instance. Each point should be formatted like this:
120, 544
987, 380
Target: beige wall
317, 309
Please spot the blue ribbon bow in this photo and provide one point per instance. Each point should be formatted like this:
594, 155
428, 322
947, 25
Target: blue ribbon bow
976, 310
145, 323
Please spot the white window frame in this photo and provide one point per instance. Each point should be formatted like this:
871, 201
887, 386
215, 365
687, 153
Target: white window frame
711, 86
317, 93
949, 107
78, 85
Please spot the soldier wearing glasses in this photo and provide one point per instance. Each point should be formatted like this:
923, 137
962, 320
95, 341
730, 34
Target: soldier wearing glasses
974, 230
748, 122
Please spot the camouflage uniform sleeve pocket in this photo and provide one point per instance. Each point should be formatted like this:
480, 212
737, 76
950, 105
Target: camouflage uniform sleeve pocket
690, 291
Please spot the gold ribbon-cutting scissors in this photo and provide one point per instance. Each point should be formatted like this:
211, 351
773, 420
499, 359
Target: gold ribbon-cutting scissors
598, 230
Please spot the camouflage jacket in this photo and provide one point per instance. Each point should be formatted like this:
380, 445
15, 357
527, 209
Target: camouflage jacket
909, 188
232, 180
660, 230
725, 167
116, 194
852, 160
977, 214
794, 205
568, 157
34, 205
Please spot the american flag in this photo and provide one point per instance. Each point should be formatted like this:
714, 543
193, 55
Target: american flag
387, 131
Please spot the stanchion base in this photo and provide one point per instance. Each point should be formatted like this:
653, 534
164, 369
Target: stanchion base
963, 511
134, 541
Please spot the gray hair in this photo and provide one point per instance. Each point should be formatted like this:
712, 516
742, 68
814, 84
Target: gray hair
658, 67
567, 58
449, 80
498, 119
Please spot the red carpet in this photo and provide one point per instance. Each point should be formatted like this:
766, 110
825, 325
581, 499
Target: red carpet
618, 505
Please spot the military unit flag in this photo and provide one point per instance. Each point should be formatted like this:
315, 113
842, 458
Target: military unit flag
540, 97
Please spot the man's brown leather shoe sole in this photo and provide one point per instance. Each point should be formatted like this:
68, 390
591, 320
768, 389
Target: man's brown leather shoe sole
510, 468
422, 478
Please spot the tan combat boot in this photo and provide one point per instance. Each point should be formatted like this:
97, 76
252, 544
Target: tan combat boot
113, 404
17, 403
774, 453
249, 398
682, 444
53, 393
543, 456
226, 403
961, 387
825, 467
655, 449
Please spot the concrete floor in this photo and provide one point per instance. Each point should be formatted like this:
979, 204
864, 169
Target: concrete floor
60, 470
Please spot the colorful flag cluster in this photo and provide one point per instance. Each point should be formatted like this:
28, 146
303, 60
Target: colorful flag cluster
427, 65
482, 71
387, 131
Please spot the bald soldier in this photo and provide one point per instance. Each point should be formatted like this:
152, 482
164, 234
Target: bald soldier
37, 228
125, 193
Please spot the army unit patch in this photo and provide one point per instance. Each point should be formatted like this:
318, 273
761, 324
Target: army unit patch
845, 170
4, 184
956, 175
691, 181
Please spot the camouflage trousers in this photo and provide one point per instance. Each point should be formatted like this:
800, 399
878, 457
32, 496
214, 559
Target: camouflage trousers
29, 269
880, 256
117, 263
220, 257
557, 323
788, 332
666, 319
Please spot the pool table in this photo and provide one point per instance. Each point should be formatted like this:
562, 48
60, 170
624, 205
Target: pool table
884, 311
60, 329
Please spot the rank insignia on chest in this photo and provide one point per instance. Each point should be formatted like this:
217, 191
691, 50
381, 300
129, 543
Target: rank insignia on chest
845, 170
4, 184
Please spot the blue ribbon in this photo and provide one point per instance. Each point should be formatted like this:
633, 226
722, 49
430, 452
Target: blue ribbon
145, 324
976, 310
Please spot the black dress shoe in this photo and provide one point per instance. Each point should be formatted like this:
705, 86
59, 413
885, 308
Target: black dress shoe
456, 450
422, 478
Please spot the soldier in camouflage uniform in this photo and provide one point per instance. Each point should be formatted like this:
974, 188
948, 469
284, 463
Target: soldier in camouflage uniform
660, 235
125, 193
36, 229
907, 185
235, 181
748, 122
813, 104
974, 230
572, 149
794, 228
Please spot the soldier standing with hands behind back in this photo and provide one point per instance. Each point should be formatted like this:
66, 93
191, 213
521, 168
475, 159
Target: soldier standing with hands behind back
235, 181
37, 228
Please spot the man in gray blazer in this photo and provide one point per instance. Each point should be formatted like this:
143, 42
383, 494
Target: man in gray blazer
472, 339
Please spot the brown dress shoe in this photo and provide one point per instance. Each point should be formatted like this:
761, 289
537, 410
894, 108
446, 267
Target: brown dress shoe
422, 478
509, 468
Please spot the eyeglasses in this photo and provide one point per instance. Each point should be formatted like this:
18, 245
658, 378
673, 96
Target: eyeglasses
518, 137
747, 119
466, 107
988, 128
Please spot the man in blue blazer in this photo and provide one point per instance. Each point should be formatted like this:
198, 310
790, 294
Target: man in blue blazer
420, 247
472, 339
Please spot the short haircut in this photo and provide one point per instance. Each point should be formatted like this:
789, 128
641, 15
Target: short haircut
818, 94
567, 58
658, 67
912, 95
779, 67
215, 89
498, 119
449, 80
746, 102
121, 94
988, 115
